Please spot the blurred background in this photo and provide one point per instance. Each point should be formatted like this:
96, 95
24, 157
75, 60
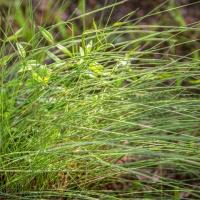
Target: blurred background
51, 11
16, 14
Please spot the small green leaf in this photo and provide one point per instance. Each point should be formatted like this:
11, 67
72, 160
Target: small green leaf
37, 77
119, 24
47, 35
21, 50
81, 50
95, 25
26, 68
29, 66
4, 60
89, 46
43, 76
197, 81
15, 36
33, 63
53, 57
96, 68
64, 50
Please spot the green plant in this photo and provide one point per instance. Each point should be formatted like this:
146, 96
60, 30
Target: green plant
108, 114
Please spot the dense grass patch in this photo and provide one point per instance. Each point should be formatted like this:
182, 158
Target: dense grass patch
112, 113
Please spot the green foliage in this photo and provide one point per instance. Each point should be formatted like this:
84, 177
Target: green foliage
99, 116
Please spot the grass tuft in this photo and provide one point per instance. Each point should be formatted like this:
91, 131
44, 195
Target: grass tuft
111, 113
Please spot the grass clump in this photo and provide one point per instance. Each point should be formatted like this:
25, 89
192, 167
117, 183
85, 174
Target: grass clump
109, 114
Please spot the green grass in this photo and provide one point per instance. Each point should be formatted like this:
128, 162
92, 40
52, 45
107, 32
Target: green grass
112, 113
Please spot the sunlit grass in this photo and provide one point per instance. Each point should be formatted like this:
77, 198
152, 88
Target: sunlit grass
112, 113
